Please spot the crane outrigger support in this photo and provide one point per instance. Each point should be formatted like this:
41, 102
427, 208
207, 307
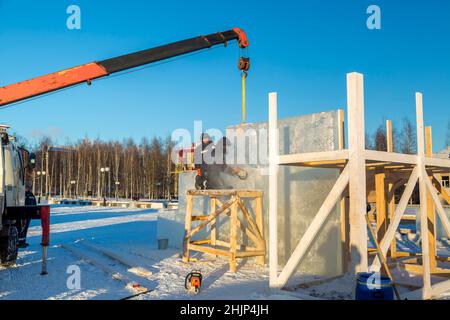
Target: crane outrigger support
87, 72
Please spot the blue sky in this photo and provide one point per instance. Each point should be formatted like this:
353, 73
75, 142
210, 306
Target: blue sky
301, 49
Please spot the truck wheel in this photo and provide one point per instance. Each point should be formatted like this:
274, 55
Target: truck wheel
9, 247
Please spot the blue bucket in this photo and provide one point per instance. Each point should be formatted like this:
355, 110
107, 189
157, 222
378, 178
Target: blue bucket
373, 286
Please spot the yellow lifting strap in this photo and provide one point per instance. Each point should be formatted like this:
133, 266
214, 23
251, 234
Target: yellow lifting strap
243, 76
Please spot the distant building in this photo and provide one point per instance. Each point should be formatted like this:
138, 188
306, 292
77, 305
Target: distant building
444, 179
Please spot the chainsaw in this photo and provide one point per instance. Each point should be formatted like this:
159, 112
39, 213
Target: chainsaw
193, 281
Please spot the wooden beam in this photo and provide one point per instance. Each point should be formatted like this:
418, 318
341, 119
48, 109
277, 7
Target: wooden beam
249, 218
391, 191
273, 191
357, 167
391, 187
389, 137
430, 205
213, 222
380, 189
260, 224
314, 228
423, 177
213, 251
233, 235
391, 157
243, 193
211, 217
438, 162
299, 158
390, 233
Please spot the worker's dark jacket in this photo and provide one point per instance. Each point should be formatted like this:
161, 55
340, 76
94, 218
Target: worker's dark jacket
211, 172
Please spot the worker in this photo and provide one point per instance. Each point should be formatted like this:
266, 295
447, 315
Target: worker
203, 156
23, 225
213, 164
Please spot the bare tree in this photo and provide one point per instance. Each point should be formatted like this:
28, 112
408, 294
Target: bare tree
408, 137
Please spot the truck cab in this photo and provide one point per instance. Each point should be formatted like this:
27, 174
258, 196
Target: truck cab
12, 193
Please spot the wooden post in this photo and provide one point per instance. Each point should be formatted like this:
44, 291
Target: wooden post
430, 205
426, 292
187, 227
391, 191
380, 185
357, 167
273, 192
213, 222
260, 224
344, 204
233, 236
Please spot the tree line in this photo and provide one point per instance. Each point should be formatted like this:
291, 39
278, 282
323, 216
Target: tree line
95, 168
125, 169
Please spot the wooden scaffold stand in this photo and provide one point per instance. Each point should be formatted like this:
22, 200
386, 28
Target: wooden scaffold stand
240, 219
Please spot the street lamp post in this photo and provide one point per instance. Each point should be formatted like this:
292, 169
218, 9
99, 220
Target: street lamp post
40, 175
72, 189
109, 182
103, 170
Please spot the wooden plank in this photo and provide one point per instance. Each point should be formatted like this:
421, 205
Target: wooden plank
199, 218
233, 235
240, 247
244, 193
211, 217
246, 254
391, 186
209, 250
357, 167
418, 269
187, 227
380, 189
273, 191
260, 225
389, 137
321, 156
251, 223
430, 205
423, 177
200, 242
438, 162
213, 222
391, 206
314, 228
390, 233
391, 157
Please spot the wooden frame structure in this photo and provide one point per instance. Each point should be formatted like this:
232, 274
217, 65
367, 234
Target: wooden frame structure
359, 167
251, 227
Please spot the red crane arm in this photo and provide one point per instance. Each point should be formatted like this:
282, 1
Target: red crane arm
85, 73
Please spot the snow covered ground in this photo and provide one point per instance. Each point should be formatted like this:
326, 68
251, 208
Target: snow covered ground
81, 235
116, 252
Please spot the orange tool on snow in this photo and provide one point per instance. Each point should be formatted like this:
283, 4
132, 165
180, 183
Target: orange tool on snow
193, 281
